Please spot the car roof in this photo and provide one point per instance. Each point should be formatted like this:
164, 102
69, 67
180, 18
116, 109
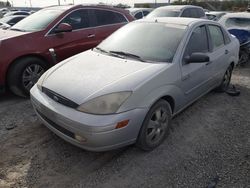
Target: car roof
67, 7
175, 20
136, 9
237, 15
178, 7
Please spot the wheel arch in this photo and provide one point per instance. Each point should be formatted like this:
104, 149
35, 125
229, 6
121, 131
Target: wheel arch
23, 57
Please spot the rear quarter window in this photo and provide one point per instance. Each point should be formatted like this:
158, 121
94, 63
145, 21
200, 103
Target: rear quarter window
106, 17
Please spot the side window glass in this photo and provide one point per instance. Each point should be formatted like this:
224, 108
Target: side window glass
217, 37
226, 37
186, 13
120, 18
138, 15
145, 13
201, 13
193, 13
198, 42
105, 17
78, 19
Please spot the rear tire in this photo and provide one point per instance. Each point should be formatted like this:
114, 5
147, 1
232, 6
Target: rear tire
155, 127
24, 73
226, 80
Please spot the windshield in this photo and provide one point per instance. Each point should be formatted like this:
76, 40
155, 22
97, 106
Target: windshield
37, 21
147, 41
243, 23
163, 13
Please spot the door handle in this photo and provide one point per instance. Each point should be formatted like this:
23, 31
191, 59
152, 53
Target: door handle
91, 35
226, 51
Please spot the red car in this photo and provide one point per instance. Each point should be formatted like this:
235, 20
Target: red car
49, 36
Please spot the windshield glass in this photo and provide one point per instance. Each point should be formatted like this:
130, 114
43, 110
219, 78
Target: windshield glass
149, 41
163, 13
238, 23
37, 21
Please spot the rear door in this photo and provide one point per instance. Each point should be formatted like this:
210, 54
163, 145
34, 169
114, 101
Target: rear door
81, 38
220, 52
106, 22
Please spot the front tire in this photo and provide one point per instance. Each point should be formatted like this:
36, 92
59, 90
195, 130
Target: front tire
155, 127
24, 73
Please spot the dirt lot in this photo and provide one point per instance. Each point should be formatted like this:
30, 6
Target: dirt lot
208, 145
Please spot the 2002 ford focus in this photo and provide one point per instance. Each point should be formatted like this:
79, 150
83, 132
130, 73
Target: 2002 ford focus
128, 88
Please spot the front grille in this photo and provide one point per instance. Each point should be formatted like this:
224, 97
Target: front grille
58, 98
57, 127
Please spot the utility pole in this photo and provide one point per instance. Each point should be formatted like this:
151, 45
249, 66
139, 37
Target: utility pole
30, 4
73, 2
155, 3
59, 2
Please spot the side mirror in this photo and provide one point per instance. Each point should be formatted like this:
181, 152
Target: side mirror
197, 58
63, 27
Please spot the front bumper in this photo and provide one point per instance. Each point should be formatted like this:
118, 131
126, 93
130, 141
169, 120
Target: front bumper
98, 130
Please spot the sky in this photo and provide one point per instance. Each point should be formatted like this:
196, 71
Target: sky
42, 3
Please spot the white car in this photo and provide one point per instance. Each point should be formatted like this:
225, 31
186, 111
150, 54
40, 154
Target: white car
187, 11
127, 89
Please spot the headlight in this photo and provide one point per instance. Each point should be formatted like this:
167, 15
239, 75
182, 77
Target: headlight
106, 104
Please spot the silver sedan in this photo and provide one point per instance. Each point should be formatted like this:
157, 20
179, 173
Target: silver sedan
127, 89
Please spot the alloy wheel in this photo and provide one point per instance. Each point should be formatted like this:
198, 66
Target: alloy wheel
31, 74
157, 126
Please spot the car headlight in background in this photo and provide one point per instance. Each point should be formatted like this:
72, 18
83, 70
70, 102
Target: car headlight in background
105, 104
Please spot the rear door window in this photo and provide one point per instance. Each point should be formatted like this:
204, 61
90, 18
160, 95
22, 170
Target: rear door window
186, 13
217, 37
106, 17
194, 13
200, 13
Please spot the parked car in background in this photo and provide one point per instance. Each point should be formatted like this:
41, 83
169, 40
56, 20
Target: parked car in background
139, 13
3, 11
14, 13
240, 20
128, 88
52, 33
238, 24
178, 11
215, 15
9, 21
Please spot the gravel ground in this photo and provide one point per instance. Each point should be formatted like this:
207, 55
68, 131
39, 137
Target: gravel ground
209, 146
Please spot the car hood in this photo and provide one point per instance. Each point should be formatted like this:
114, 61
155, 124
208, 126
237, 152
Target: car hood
91, 74
5, 34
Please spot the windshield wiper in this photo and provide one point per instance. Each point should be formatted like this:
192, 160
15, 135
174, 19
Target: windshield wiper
101, 50
109, 53
15, 29
133, 56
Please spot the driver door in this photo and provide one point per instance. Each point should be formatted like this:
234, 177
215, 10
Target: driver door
195, 76
81, 38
